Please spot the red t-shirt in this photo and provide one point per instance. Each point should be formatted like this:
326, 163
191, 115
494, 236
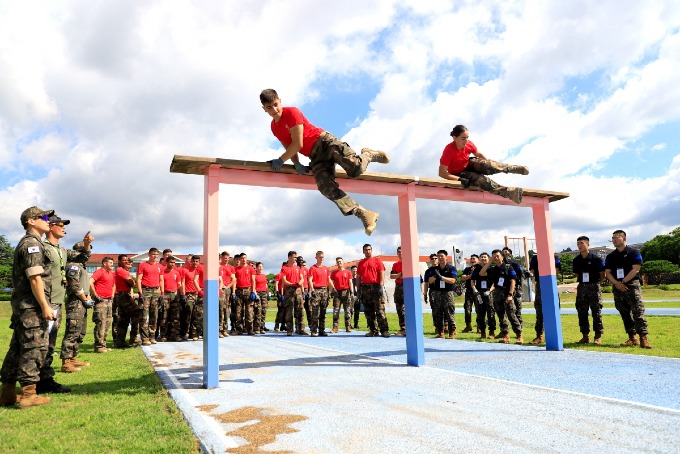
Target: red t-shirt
277, 282
369, 270
226, 271
171, 280
244, 276
341, 279
320, 275
456, 160
304, 272
291, 116
292, 275
199, 273
150, 274
260, 282
103, 282
121, 277
187, 274
396, 268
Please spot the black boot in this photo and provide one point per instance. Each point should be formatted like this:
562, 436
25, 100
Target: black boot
48, 385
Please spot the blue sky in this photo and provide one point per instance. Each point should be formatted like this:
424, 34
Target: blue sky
96, 98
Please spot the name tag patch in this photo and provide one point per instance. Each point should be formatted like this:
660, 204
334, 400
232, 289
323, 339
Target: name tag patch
619, 273
501, 281
586, 277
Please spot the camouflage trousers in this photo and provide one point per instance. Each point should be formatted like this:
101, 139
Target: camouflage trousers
477, 171
279, 312
292, 302
47, 371
342, 298
443, 301
115, 314
225, 297
244, 310
260, 311
374, 307
399, 303
75, 328
129, 313
318, 303
589, 296
27, 347
101, 316
164, 303
307, 307
468, 304
485, 311
434, 306
147, 325
506, 310
194, 315
356, 310
325, 154
174, 326
538, 306
632, 309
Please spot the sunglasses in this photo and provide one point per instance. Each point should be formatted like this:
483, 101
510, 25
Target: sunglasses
58, 224
43, 217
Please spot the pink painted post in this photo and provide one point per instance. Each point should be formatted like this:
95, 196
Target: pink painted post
210, 283
546, 279
413, 311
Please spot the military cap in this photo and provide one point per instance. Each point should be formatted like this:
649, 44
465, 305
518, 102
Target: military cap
54, 219
34, 212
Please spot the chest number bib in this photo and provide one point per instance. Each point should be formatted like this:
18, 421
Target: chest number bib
586, 277
619, 273
501, 281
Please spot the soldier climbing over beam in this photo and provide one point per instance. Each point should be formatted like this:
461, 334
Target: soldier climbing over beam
298, 135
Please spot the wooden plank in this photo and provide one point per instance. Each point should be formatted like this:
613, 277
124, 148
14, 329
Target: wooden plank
197, 166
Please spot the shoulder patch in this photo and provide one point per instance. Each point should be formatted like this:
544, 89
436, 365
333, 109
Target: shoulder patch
33, 249
74, 267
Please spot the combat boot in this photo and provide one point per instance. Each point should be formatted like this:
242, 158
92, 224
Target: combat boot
537, 340
520, 339
452, 334
514, 194
48, 385
598, 338
9, 395
492, 334
29, 398
584, 340
482, 334
632, 341
68, 367
368, 218
644, 343
468, 328
519, 170
440, 334
376, 156
505, 339
78, 363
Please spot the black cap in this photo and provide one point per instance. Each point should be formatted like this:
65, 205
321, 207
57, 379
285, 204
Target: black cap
55, 219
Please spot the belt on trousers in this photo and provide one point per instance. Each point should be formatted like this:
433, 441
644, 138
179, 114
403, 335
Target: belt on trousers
319, 288
102, 298
149, 288
242, 288
123, 293
190, 293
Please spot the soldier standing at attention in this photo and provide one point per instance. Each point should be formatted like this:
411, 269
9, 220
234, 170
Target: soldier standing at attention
481, 288
78, 301
31, 313
504, 279
344, 289
622, 268
396, 274
102, 288
171, 284
128, 310
538, 301
291, 282
589, 270
298, 135
429, 288
262, 302
279, 301
517, 295
442, 278
470, 298
228, 288
245, 294
149, 283
58, 259
356, 310
319, 280
371, 271
457, 165
304, 272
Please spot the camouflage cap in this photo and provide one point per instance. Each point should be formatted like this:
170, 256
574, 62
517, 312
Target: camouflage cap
55, 219
80, 247
34, 212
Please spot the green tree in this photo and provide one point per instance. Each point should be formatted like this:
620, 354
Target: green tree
6, 259
567, 261
654, 269
663, 247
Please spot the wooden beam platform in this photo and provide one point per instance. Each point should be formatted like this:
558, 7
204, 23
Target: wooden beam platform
195, 165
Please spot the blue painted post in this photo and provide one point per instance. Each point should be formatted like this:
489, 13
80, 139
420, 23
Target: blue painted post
413, 309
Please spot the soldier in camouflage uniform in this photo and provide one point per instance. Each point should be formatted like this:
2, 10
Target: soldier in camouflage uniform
371, 271
319, 283
59, 257
262, 302
129, 311
298, 135
470, 296
343, 289
442, 278
31, 312
504, 279
77, 302
396, 274
622, 268
518, 293
481, 288
589, 270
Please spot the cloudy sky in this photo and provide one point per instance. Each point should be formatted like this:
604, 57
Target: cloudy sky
96, 97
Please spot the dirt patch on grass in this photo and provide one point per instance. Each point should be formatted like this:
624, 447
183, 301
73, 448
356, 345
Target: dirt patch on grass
263, 431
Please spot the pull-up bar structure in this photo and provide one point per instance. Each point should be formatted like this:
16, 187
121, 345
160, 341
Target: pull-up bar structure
407, 189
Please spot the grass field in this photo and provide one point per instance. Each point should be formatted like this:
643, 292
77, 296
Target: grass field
118, 404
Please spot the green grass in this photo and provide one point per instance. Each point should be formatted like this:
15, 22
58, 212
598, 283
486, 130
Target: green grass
118, 405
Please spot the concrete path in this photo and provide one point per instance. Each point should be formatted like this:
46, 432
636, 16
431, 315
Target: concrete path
349, 393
